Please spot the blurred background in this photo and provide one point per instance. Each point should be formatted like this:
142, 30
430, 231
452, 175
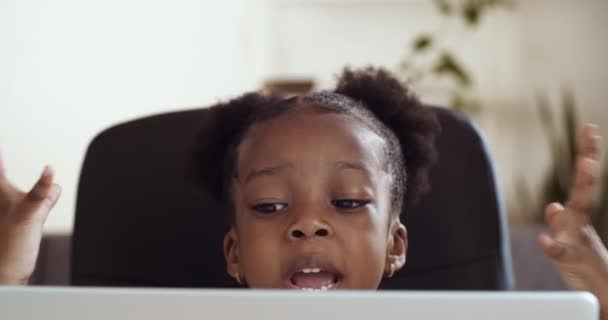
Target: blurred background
527, 71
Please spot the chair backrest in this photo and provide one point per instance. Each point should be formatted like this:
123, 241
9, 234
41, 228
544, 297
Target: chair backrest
140, 223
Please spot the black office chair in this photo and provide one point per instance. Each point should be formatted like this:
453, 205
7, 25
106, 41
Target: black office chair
140, 223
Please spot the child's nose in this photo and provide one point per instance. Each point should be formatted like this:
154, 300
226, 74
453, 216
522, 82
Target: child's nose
308, 228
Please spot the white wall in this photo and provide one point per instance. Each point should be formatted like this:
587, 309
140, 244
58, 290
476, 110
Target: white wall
69, 68
564, 46
538, 47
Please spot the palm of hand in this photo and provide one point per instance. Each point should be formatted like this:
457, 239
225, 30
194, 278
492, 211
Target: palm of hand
574, 246
577, 252
22, 215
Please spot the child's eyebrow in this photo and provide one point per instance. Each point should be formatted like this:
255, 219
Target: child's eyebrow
352, 166
268, 171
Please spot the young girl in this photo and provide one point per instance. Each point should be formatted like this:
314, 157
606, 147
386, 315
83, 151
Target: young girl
315, 185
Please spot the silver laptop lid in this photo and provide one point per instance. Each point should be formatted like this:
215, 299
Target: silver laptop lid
66, 303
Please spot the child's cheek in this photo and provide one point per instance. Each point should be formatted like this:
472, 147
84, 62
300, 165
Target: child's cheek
260, 254
363, 245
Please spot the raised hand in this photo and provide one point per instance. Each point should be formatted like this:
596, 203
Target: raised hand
22, 215
574, 246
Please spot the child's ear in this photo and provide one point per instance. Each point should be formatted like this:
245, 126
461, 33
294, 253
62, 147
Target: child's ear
231, 254
397, 248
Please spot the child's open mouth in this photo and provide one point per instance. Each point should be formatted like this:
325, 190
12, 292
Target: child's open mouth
314, 279
313, 273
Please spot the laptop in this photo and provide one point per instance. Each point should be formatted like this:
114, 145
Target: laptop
77, 303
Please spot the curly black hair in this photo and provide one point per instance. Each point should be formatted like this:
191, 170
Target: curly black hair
371, 95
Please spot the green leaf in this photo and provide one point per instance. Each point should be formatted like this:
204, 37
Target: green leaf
548, 123
525, 200
570, 124
447, 65
422, 42
546, 115
444, 7
471, 12
457, 102
464, 103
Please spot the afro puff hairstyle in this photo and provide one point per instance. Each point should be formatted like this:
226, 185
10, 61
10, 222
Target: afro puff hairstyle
371, 95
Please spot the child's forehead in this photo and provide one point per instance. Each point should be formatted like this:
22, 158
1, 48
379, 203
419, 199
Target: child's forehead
306, 134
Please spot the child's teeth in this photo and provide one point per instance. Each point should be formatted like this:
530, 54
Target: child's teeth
311, 270
323, 288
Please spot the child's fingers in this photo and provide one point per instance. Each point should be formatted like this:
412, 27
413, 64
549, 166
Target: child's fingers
1, 165
554, 218
53, 196
557, 251
42, 187
583, 186
50, 201
43, 193
588, 141
7, 190
594, 241
585, 171
3, 179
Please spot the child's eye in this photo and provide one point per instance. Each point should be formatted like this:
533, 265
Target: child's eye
348, 203
269, 208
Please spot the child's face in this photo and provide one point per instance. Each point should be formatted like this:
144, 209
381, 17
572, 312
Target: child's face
312, 205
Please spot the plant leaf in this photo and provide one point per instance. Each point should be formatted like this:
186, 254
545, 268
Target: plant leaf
570, 124
471, 12
443, 6
447, 65
422, 42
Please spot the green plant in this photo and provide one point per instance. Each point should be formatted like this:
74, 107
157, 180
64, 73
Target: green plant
444, 63
558, 179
